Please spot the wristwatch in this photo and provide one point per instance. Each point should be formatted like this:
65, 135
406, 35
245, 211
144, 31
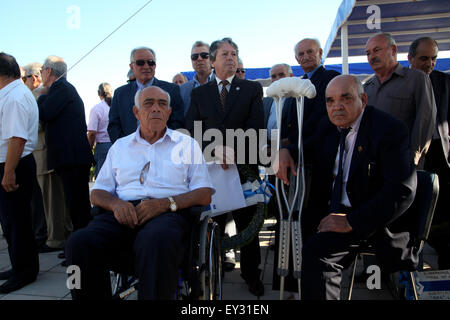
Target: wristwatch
173, 205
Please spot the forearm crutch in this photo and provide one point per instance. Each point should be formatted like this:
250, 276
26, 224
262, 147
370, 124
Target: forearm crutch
290, 228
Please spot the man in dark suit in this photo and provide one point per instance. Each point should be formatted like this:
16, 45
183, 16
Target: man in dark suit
122, 121
422, 55
363, 178
62, 112
308, 54
231, 103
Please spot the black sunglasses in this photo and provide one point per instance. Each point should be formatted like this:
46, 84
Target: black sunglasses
25, 77
150, 63
239, 70
204, 55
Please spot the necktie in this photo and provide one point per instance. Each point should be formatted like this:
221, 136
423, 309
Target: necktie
223, 93
337, 188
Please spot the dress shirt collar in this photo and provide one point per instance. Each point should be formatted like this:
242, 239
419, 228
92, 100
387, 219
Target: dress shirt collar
141, 86
169, 134
311, 73
230, 79
197, 84
6, 89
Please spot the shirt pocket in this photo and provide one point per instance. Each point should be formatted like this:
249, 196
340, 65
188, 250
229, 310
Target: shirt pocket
173, 174
403, 107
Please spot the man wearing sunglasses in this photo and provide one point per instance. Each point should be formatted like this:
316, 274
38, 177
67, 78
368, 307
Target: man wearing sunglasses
122, 121
203, 71
240, 71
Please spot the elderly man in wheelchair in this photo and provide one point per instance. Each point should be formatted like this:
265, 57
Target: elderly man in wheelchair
143, 193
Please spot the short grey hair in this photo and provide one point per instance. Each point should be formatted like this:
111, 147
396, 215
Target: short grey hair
310, 39
137, 97
33, 69
199, 44
219, 43
390, 39
141, 48
288, 67
57, 64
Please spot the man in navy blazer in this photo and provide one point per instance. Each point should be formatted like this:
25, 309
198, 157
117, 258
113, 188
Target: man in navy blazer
308, 54
241, 109
122, 121
422, 55
68, 152
378, 184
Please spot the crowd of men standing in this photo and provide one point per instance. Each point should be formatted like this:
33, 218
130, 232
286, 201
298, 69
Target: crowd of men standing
46, 147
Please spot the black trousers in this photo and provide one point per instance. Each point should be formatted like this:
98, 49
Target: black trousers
75, 180
325, 256
250, 256
15, 217
439, 237
153, 252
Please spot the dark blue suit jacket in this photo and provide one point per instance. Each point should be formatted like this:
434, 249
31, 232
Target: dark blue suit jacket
62, 113
382, 179
243, 109
441, 89
314, 109
122, 121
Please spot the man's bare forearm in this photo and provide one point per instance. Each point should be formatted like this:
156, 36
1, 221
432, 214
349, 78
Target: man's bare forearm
15, 150
104, 199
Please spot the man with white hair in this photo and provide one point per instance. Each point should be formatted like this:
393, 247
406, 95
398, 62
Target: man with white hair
122, 122
54, 223
308, 54
62, 112
32, 77
144, 202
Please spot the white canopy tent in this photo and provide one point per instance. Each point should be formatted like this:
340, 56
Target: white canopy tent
406, 20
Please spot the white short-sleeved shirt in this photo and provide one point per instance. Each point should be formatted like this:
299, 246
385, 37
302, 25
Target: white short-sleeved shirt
98, 121
176, 166
19, 117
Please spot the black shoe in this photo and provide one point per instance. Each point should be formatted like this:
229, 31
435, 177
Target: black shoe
5, 275
61, 255
256, 287
14, 284
45, 249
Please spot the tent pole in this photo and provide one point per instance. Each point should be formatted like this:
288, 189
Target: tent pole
344, 48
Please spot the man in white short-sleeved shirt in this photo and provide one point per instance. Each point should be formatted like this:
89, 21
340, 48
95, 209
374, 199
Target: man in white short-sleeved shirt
18, 138
145, 188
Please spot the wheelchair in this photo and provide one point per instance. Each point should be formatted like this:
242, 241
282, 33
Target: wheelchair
199, 276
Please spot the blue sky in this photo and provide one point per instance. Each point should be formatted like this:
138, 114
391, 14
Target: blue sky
265, 31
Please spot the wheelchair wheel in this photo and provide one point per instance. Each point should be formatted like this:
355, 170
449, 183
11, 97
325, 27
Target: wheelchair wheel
210, 263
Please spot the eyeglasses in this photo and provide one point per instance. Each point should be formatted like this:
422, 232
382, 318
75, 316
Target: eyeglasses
204, 55
43, 68
150, 63
240, 70
144, 172
26, 77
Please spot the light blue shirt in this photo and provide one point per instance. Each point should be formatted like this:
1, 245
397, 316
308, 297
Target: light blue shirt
311, 73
